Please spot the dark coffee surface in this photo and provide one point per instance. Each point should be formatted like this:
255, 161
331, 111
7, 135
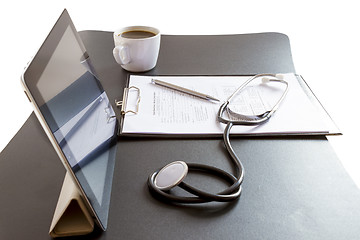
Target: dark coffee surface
137, 34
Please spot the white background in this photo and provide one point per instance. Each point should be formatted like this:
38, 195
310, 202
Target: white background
324, 37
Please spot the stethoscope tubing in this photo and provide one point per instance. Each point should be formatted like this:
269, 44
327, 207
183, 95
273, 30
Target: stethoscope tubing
231, 193
234, 191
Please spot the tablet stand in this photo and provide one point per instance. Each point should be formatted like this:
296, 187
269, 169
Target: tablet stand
71, 217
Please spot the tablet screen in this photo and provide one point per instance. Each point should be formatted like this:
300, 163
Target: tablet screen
76, 110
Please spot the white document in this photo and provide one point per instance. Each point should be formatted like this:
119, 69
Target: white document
166, 111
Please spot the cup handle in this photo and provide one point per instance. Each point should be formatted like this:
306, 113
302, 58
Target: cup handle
121, 54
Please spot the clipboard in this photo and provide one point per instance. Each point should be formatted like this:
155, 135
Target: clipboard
321, 121
123, 103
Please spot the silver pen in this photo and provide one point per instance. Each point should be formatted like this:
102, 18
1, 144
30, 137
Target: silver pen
184, 90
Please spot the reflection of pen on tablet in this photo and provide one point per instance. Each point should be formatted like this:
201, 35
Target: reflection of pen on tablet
184, 90
80, 121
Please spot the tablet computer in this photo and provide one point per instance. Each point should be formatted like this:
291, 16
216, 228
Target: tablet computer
75, 113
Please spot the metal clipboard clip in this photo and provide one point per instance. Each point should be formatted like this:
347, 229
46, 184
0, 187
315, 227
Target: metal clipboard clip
122, 104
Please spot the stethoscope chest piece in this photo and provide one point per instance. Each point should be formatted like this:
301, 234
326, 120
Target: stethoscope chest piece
171, 175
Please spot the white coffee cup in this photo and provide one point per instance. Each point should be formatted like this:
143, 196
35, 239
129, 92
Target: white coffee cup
137, 48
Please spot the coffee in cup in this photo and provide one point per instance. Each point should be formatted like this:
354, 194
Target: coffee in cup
137, 34
137, 48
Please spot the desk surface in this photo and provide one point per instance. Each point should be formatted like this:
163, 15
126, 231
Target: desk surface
294, 187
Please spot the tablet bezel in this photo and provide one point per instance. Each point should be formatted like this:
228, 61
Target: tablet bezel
28, 81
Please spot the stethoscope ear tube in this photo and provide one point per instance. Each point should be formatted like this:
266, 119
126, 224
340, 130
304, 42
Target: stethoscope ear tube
240, 119
256, 120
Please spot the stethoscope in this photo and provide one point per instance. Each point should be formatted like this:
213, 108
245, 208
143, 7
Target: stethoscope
162, 181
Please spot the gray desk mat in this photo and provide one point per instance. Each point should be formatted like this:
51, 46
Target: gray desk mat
294, 187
